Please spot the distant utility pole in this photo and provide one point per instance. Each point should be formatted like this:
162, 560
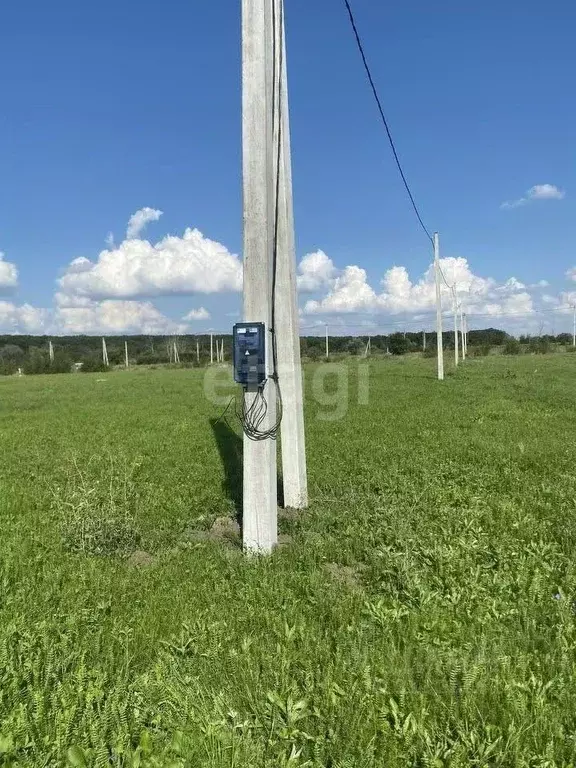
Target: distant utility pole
439, 341
423, 341
127, 362
465, 334
259, 510
368, 347
462, 333
211, 348
222, 351
287, 321
176, 355
198, 352
104, 353
327, 346
456, 351
51, 351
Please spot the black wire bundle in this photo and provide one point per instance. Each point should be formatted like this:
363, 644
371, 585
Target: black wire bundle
253, 416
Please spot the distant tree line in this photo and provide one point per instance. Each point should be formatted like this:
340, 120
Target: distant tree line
30, 354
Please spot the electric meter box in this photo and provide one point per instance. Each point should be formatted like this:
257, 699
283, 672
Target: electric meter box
249, 354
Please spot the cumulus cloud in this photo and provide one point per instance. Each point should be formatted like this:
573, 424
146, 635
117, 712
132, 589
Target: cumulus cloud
350, 292
537, 192
139, 220
197, 314
105, 317
114, 317
137, 269
316, 271
571, 274
22, 319
8, 274
567, 301
540, 284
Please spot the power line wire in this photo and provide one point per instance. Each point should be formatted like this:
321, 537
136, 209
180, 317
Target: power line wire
383, 116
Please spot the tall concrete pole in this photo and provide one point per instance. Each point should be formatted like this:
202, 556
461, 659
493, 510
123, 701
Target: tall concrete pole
456, 351
287, 325
462, 334
423, 341
126, 360
259, 511
198, 352
327, 346
439, 340
51, 351
211, 348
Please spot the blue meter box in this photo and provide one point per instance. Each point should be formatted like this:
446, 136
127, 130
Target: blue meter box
249, 354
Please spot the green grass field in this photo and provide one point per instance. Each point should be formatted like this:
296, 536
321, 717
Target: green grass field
421, 614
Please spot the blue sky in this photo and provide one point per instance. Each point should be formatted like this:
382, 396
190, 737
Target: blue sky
110, 107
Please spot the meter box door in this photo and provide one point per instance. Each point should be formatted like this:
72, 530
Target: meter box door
249, 354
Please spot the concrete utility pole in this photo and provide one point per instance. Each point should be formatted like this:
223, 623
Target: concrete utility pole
260, 525
439, 340
327, 346
51, 351
462, 334
456, 351
198, 352
211, 348
423, 341
127, 362
287, 325
104, 353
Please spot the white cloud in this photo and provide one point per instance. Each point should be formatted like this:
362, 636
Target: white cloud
546, 192
537, 192
517, 304
539, 284
512, 285
567, 301
114, 317
316, 271
139, 220
197, 314
8, 274
571, 274
351, 293
22, 319
137, 269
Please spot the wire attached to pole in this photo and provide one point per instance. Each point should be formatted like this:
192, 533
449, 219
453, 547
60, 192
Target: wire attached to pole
253, 416
383, 116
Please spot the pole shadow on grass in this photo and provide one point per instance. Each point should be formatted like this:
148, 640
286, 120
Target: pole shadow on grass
230, 449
